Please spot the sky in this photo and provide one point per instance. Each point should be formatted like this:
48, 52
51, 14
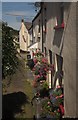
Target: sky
13, 12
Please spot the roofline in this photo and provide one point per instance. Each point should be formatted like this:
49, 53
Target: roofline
37, 15
32, 44
30, 27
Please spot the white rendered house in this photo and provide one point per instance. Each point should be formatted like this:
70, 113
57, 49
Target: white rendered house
23, 37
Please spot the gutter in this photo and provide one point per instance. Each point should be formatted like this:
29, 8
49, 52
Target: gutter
37, 15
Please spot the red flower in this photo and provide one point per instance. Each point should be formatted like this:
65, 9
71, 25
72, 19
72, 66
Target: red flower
62, 24
33, 53
62, 109
38, 76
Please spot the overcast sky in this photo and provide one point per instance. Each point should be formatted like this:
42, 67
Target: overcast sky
13, 12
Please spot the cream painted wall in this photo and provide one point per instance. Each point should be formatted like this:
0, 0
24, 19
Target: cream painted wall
23, 37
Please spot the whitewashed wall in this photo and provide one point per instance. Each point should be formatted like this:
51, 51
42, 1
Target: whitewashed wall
23, 41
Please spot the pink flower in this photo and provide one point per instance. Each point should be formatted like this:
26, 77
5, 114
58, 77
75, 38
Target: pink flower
44, 60
58, 86
61, 95
35, 60
38, 76
58, 110
45, 69
57, 97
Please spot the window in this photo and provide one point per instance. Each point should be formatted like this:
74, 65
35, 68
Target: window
51, 76
33, 39
45, 51
45, 25
58, 70
45, 19
39, 27
50, 72
38, 39
59, 21
50, 54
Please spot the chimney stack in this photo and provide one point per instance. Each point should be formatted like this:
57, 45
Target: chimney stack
22, 20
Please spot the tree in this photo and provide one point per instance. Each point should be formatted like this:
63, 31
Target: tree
9, 52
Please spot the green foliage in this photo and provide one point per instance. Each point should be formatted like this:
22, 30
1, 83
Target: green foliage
45, 85
9, 58
47, 106
58, 96
57, 92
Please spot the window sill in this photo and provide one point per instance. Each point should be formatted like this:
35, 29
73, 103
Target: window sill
59, 26
44, 32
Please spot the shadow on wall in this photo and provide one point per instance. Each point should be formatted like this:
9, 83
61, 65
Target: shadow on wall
12, 103
58, 37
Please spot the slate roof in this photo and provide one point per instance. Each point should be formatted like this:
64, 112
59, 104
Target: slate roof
28, 25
